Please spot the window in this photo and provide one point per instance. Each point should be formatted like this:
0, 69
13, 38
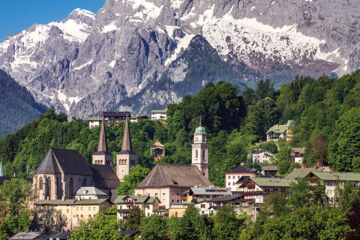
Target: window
229, 177
233, 177
196, 153
203, 154
67, 210
163, 193
94, 208
41, 183
89, 208
202, 206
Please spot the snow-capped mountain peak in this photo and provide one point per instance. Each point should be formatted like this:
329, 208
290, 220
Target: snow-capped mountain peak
139, 54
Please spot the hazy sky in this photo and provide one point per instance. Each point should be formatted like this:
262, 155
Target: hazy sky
17, 15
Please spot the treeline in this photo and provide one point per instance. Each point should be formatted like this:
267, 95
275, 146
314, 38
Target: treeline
326, 111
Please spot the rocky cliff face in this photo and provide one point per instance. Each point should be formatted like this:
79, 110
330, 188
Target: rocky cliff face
142, 54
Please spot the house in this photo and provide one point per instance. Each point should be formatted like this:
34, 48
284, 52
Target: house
269, 171
169, 183
257, 188
93, 122
112, 118
234, 175
261, 156
29, 236
297, 155
280, 131
157, 151
158, 115
328, 177
75, 211
90, 193
199, 194
178, 209
124, 203
137, 118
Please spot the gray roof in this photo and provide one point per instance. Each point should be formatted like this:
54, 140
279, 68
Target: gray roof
210, 191
168, 175
104, 177
70, 161
84, 191
270, 168
26, 235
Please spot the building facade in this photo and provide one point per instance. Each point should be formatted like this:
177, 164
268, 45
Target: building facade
158, 115
232, 177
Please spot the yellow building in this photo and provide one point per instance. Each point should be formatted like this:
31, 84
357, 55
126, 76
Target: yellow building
75, 211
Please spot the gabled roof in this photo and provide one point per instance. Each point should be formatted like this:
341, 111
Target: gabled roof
104, 177
83, 191
210, 191
338, 176
136, 199
168, 175
277, 129
299, 173
69, 161
225, 198
242, 169
270, 168
272, 182
26, 235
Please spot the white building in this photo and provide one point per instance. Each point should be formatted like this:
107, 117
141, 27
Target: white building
158, 115
90, 193
124, 203
94, 122
261, 156
234, 175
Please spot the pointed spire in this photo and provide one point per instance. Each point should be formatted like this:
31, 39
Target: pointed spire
200, 122
102, 146
126, 144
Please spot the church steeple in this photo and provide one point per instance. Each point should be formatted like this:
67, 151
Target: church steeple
102, 156
200, 150
126, 158
126, 144
102, 146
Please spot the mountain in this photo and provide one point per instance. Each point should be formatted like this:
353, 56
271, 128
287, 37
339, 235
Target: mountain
139, 54
17, 106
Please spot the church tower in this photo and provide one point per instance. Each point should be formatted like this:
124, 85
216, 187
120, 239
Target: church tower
200, 151
126, 158
102, 156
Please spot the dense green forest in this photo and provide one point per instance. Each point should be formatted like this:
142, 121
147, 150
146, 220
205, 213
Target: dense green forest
326, 111
17, 106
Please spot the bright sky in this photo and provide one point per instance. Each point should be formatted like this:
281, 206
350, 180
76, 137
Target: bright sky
17, 15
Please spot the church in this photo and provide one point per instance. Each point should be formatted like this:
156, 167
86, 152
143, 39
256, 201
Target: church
170, 182
64, 172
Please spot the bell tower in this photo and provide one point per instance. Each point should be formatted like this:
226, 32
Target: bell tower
200, 151
102, 156
126, 158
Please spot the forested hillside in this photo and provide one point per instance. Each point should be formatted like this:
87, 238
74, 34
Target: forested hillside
17, 106
326, 111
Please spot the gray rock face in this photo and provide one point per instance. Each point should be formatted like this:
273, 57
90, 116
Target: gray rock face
131, 54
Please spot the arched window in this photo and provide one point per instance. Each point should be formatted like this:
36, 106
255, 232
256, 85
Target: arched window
203, 154
71, 187
41, 183
49, 188
196, 153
